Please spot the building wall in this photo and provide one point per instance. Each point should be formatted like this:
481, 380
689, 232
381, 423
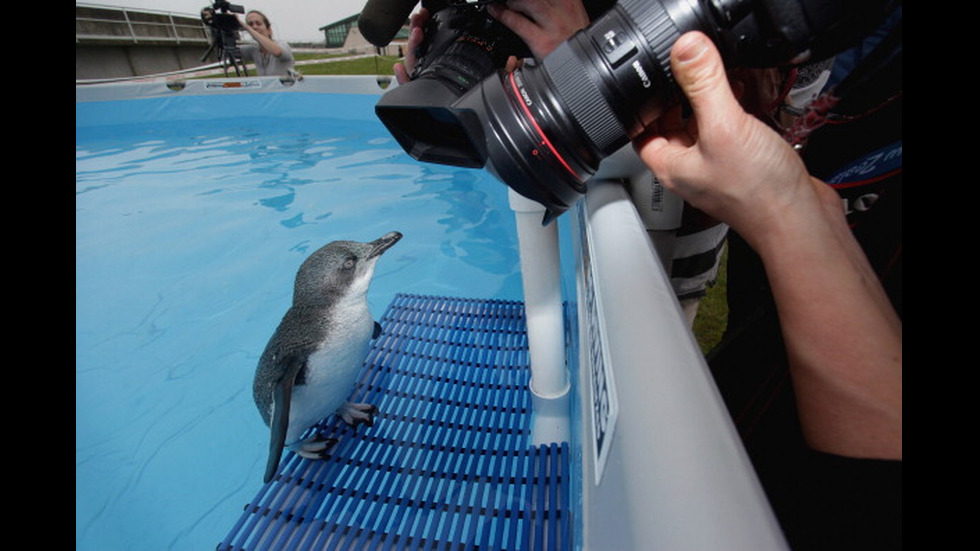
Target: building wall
120, 43
357, 43
108, 62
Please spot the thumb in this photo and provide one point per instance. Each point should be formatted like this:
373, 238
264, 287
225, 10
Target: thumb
699, 71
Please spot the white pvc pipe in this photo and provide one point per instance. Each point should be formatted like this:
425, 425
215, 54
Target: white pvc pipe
541, 276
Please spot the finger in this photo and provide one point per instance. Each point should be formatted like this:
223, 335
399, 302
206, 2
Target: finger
673, 123
700, 73
663, 144
526, 9
401, 74
522, 26
419, 18
415, 37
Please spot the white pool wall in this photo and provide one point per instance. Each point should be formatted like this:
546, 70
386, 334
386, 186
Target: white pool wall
662, 464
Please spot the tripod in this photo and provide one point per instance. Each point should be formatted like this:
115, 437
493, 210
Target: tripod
224, 31
230, 55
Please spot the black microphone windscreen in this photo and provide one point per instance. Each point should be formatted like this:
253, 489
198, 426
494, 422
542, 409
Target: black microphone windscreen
380, 20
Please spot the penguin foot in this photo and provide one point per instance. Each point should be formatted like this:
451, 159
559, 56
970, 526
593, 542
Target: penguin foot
358, 414
316, 447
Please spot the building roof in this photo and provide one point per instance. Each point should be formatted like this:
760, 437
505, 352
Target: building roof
345, 21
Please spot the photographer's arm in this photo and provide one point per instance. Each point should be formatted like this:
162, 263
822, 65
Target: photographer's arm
843, 338
267, 44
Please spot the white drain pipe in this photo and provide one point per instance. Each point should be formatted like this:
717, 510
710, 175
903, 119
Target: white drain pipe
541, 275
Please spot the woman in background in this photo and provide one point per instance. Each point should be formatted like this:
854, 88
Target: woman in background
271, 57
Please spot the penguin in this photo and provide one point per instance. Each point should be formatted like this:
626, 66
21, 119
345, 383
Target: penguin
310, 365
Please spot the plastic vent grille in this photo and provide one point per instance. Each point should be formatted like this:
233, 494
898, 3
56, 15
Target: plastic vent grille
447, 464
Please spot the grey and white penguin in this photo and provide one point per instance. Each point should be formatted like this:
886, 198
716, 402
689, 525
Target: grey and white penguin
310, 365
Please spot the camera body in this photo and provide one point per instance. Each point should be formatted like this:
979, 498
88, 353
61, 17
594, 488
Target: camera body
463, 44
223, 6
544, 128
224, 27
217, 16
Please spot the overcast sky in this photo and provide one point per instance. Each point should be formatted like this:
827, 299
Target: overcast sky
292, 20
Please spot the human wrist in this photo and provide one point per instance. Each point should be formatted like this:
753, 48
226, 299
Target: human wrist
789, 221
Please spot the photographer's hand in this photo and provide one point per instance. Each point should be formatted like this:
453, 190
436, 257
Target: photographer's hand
843, 338
723, 160
542, 24
415, 37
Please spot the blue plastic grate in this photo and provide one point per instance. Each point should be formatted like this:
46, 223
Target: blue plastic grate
447, 464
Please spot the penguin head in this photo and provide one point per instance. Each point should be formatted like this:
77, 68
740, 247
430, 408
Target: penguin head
340, 268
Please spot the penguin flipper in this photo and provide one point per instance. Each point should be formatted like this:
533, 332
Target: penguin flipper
281, 396
377, 330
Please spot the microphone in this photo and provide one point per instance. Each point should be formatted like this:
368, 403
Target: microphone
380, 20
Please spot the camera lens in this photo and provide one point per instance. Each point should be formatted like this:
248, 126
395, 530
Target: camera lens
544, 129
549, 125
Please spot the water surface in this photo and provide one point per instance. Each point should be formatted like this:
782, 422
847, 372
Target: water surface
188, 234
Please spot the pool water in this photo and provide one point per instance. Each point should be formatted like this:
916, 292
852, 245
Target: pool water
188, 233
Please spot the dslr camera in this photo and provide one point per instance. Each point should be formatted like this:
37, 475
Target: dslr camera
543, 128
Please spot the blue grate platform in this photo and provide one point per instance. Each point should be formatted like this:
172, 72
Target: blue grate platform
447, 464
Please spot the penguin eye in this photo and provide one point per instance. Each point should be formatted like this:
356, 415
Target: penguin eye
349, 263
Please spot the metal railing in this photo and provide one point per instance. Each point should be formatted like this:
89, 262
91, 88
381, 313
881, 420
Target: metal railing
108, 24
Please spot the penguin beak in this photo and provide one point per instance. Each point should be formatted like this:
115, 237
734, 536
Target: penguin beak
384, 243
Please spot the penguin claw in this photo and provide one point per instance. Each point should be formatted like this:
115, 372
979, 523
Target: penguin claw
316, 447
358, 414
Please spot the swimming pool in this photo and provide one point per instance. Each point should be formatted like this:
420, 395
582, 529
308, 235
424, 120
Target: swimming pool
193, 212
192, 216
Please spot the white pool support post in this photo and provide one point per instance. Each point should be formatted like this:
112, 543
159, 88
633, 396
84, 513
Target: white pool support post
541, 276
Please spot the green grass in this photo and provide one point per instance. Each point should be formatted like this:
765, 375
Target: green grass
306, 56
375, 65
712, 318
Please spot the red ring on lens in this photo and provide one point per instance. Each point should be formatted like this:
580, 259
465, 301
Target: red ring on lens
544, 139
